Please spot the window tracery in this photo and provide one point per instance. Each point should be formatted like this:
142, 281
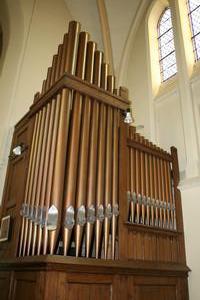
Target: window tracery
194, 16
167, 55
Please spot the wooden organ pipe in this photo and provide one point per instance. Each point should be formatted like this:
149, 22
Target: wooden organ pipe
40, 182
169, 181
29, 189
163, 203
43, 87
41, 151
158, 200
156, 193
29, 175
45, 201
167, 194
48, 79
151, 189
101, 167
72, 162
36, 180
143, 188
50, 175
108, 170
115, 192
147, 184
45, 177
58, 63
132, 196
70, 43
63, 131
83, 153
138, 182
92, 168
53, 73
129, 178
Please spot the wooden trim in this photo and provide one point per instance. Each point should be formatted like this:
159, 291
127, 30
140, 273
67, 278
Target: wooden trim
141, 147
74, 83
82, 265
152, 229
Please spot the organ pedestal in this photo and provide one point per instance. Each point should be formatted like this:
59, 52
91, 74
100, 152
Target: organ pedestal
94, 208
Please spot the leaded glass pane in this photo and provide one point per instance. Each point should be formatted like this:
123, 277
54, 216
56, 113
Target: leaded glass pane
194, 15
166, 46
197, 46
195, 18
169, 72
193, 4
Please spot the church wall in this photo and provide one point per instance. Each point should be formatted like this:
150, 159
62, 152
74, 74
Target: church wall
191, 208
137, 82
36, 28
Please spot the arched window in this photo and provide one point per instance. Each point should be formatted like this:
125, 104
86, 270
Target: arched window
168, 67
194, 15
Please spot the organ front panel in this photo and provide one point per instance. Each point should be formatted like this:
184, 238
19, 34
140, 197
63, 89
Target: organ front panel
85, 191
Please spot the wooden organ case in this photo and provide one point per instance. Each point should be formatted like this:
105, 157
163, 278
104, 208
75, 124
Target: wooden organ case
91, 209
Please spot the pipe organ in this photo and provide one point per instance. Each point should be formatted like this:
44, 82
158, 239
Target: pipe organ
90, 207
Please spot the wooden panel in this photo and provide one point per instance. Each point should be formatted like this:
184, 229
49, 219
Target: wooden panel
152, 245
153, 292
25, 286
85, 291
73, 282
155, 288
4, 285
14, 187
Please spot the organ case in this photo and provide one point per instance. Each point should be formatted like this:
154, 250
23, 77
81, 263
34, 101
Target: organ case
87, 194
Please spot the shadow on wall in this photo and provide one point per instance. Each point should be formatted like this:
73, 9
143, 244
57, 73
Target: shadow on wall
12, 33
8, 23
4, 32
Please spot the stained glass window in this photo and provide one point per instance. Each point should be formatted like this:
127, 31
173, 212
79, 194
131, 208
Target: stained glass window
194, 15
168, 67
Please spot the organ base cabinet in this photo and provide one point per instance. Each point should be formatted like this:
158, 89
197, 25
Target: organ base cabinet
55, 277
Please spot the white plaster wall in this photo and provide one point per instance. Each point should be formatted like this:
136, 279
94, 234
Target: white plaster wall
15, 17
137, 82
195, 86
191, 208
169, 127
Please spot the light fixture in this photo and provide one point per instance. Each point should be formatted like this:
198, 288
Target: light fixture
128, 116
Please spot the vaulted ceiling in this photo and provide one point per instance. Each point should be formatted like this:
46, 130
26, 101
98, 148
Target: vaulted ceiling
121, 15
